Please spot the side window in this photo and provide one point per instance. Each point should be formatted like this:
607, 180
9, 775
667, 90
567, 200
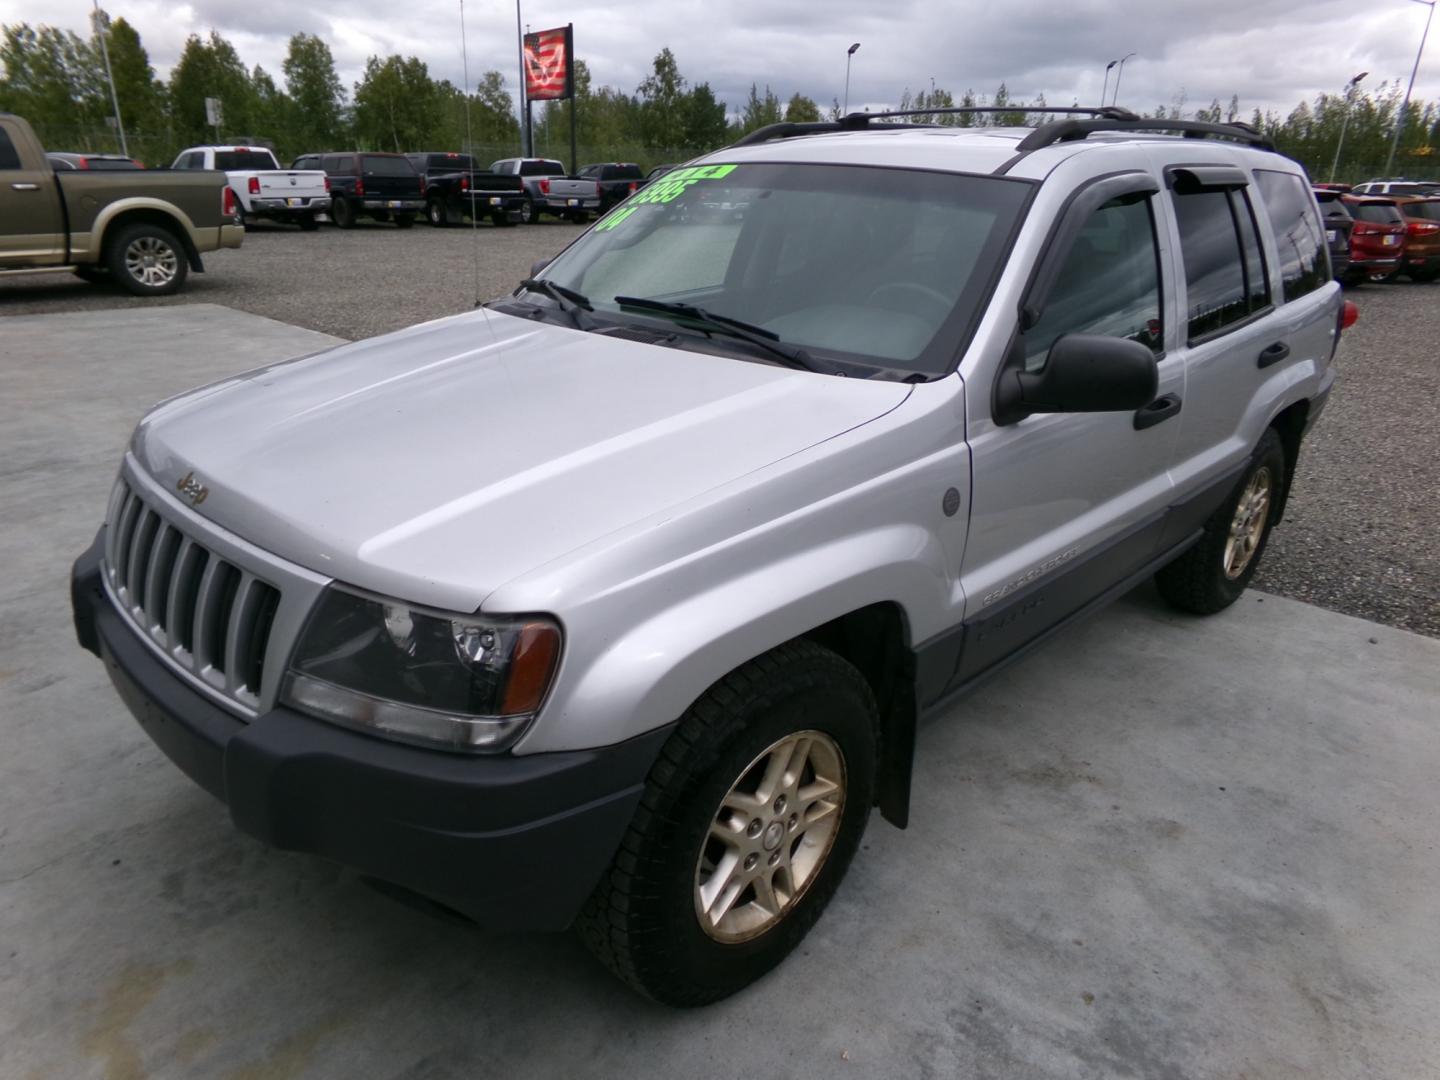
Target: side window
9, 156
1109, 283
1224, 282
1257, 281
1299, 236
338, 164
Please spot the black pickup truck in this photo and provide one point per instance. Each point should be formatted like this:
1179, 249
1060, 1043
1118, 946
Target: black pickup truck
454, 187
617, 180
383, 187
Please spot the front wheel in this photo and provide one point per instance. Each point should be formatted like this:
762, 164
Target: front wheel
147, 260
749, 820
1212, 574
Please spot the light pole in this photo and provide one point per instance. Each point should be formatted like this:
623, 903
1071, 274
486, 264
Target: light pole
1115, 98
102, 23
848, 54
1105, 90
1345, 123
1405, 105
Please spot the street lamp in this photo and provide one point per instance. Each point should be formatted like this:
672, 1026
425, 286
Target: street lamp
1345, 123
1105, 90
848, 54
1115, 99
1405, 105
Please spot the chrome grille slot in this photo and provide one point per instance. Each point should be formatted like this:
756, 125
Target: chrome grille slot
210, 616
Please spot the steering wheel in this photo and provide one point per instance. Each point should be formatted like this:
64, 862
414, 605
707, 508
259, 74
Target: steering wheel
900, 290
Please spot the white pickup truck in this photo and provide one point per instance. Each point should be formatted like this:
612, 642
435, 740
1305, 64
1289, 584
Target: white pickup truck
261, 187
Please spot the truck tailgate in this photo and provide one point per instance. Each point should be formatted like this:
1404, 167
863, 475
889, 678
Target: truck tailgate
288, 183
582, 189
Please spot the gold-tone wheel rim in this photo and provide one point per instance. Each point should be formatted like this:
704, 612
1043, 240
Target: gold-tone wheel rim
1248, 524
770, 837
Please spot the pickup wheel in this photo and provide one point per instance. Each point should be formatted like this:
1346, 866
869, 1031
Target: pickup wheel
747, 824
147, 260
341, 213
1210, 576
527, 212
437, 214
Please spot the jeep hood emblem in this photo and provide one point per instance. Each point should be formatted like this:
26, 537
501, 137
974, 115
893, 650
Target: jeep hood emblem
191, 489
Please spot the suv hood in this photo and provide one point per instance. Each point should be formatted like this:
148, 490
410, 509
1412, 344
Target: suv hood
439, 462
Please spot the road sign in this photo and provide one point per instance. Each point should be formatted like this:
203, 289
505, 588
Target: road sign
212, 111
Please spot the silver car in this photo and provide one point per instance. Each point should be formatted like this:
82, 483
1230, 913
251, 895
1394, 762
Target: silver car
615, 603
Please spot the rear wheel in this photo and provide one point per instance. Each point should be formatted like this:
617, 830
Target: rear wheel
147, 260
579, 217
341, 213
1423, 275
307, 222
748, 822
527, 212
1210, 576
437, 214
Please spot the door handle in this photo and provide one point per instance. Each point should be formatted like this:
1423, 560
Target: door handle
26, 187
1274, 354
1157, 412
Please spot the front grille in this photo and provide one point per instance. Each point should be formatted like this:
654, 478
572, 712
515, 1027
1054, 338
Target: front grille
210, 617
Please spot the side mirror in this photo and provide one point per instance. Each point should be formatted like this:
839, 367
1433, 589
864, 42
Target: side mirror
538, 265
1082, 373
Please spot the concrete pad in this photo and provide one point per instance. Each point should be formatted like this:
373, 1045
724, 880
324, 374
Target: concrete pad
1161, 847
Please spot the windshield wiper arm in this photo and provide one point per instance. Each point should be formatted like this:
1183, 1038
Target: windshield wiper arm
567, 300
768, 340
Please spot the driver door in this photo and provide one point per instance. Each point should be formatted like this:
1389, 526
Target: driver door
1066, 506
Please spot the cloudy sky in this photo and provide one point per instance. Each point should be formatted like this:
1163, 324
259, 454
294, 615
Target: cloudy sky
1271, 52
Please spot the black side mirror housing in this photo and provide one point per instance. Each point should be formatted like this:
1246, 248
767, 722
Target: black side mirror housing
1082, 373
538, 265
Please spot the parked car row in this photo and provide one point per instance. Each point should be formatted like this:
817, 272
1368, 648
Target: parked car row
1380, 237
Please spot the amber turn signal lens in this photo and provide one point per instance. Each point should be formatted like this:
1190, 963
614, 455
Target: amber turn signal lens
531, 667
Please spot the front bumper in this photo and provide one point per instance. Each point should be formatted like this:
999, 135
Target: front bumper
512, 841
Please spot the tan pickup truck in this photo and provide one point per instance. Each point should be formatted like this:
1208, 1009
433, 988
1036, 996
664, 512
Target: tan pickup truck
143, 230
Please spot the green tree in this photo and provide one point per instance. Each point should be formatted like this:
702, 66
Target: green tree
801, 109
395, 105
210, 68
53, 78
317, 94
759, 111
704, 120
142, 96
662, 95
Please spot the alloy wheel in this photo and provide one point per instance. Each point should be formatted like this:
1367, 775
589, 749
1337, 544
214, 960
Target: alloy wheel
1247, 527
151, 261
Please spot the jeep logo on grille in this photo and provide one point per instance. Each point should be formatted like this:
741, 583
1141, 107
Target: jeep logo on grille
191, 488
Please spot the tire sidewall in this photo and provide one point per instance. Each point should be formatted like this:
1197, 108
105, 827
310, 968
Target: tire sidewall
120, 273
1268, 454
341, 214
436, 213
719, 969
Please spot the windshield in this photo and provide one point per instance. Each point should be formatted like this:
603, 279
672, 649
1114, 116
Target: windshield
886, 267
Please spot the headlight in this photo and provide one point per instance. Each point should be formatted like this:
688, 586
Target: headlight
461, 682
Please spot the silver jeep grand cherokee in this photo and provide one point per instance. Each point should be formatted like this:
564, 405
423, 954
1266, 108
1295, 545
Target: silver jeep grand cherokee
615, 602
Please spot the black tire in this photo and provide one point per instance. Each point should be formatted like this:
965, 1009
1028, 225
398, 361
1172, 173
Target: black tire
341, 213
437, 213
501, 220
404, 221
641, 920
307, 223
580, 217
1198, 581
147, 260
1423, 277
528, 213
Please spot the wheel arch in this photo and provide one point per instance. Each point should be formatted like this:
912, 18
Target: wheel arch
108, 228
1290, 425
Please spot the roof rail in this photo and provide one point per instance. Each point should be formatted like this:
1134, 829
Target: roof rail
1071, 130
861, 121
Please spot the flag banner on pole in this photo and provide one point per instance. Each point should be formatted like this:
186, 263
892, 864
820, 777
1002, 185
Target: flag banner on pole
549, 71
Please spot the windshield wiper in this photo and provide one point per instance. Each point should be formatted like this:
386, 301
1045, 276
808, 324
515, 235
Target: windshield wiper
569, 301
758, 336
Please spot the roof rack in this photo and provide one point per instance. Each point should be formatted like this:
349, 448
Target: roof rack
1105, 118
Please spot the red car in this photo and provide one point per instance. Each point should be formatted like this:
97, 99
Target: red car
1377, 242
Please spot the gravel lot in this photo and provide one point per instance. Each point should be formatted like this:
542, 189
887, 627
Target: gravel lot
1360, 535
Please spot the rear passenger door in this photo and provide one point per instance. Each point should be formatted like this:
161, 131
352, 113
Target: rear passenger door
1233, 341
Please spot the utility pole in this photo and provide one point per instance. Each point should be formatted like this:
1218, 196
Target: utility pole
1115, 100
1345, 123
102, 23
524, 106
1405, 105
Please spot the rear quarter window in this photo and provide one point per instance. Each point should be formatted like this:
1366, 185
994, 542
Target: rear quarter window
1299, 236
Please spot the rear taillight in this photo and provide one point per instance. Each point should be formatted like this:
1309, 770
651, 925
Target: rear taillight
544, 185
1349, 313
327, 185
464, 183
254, 185
597, 189
359, 186
1421, 228
227, 201
633, 186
